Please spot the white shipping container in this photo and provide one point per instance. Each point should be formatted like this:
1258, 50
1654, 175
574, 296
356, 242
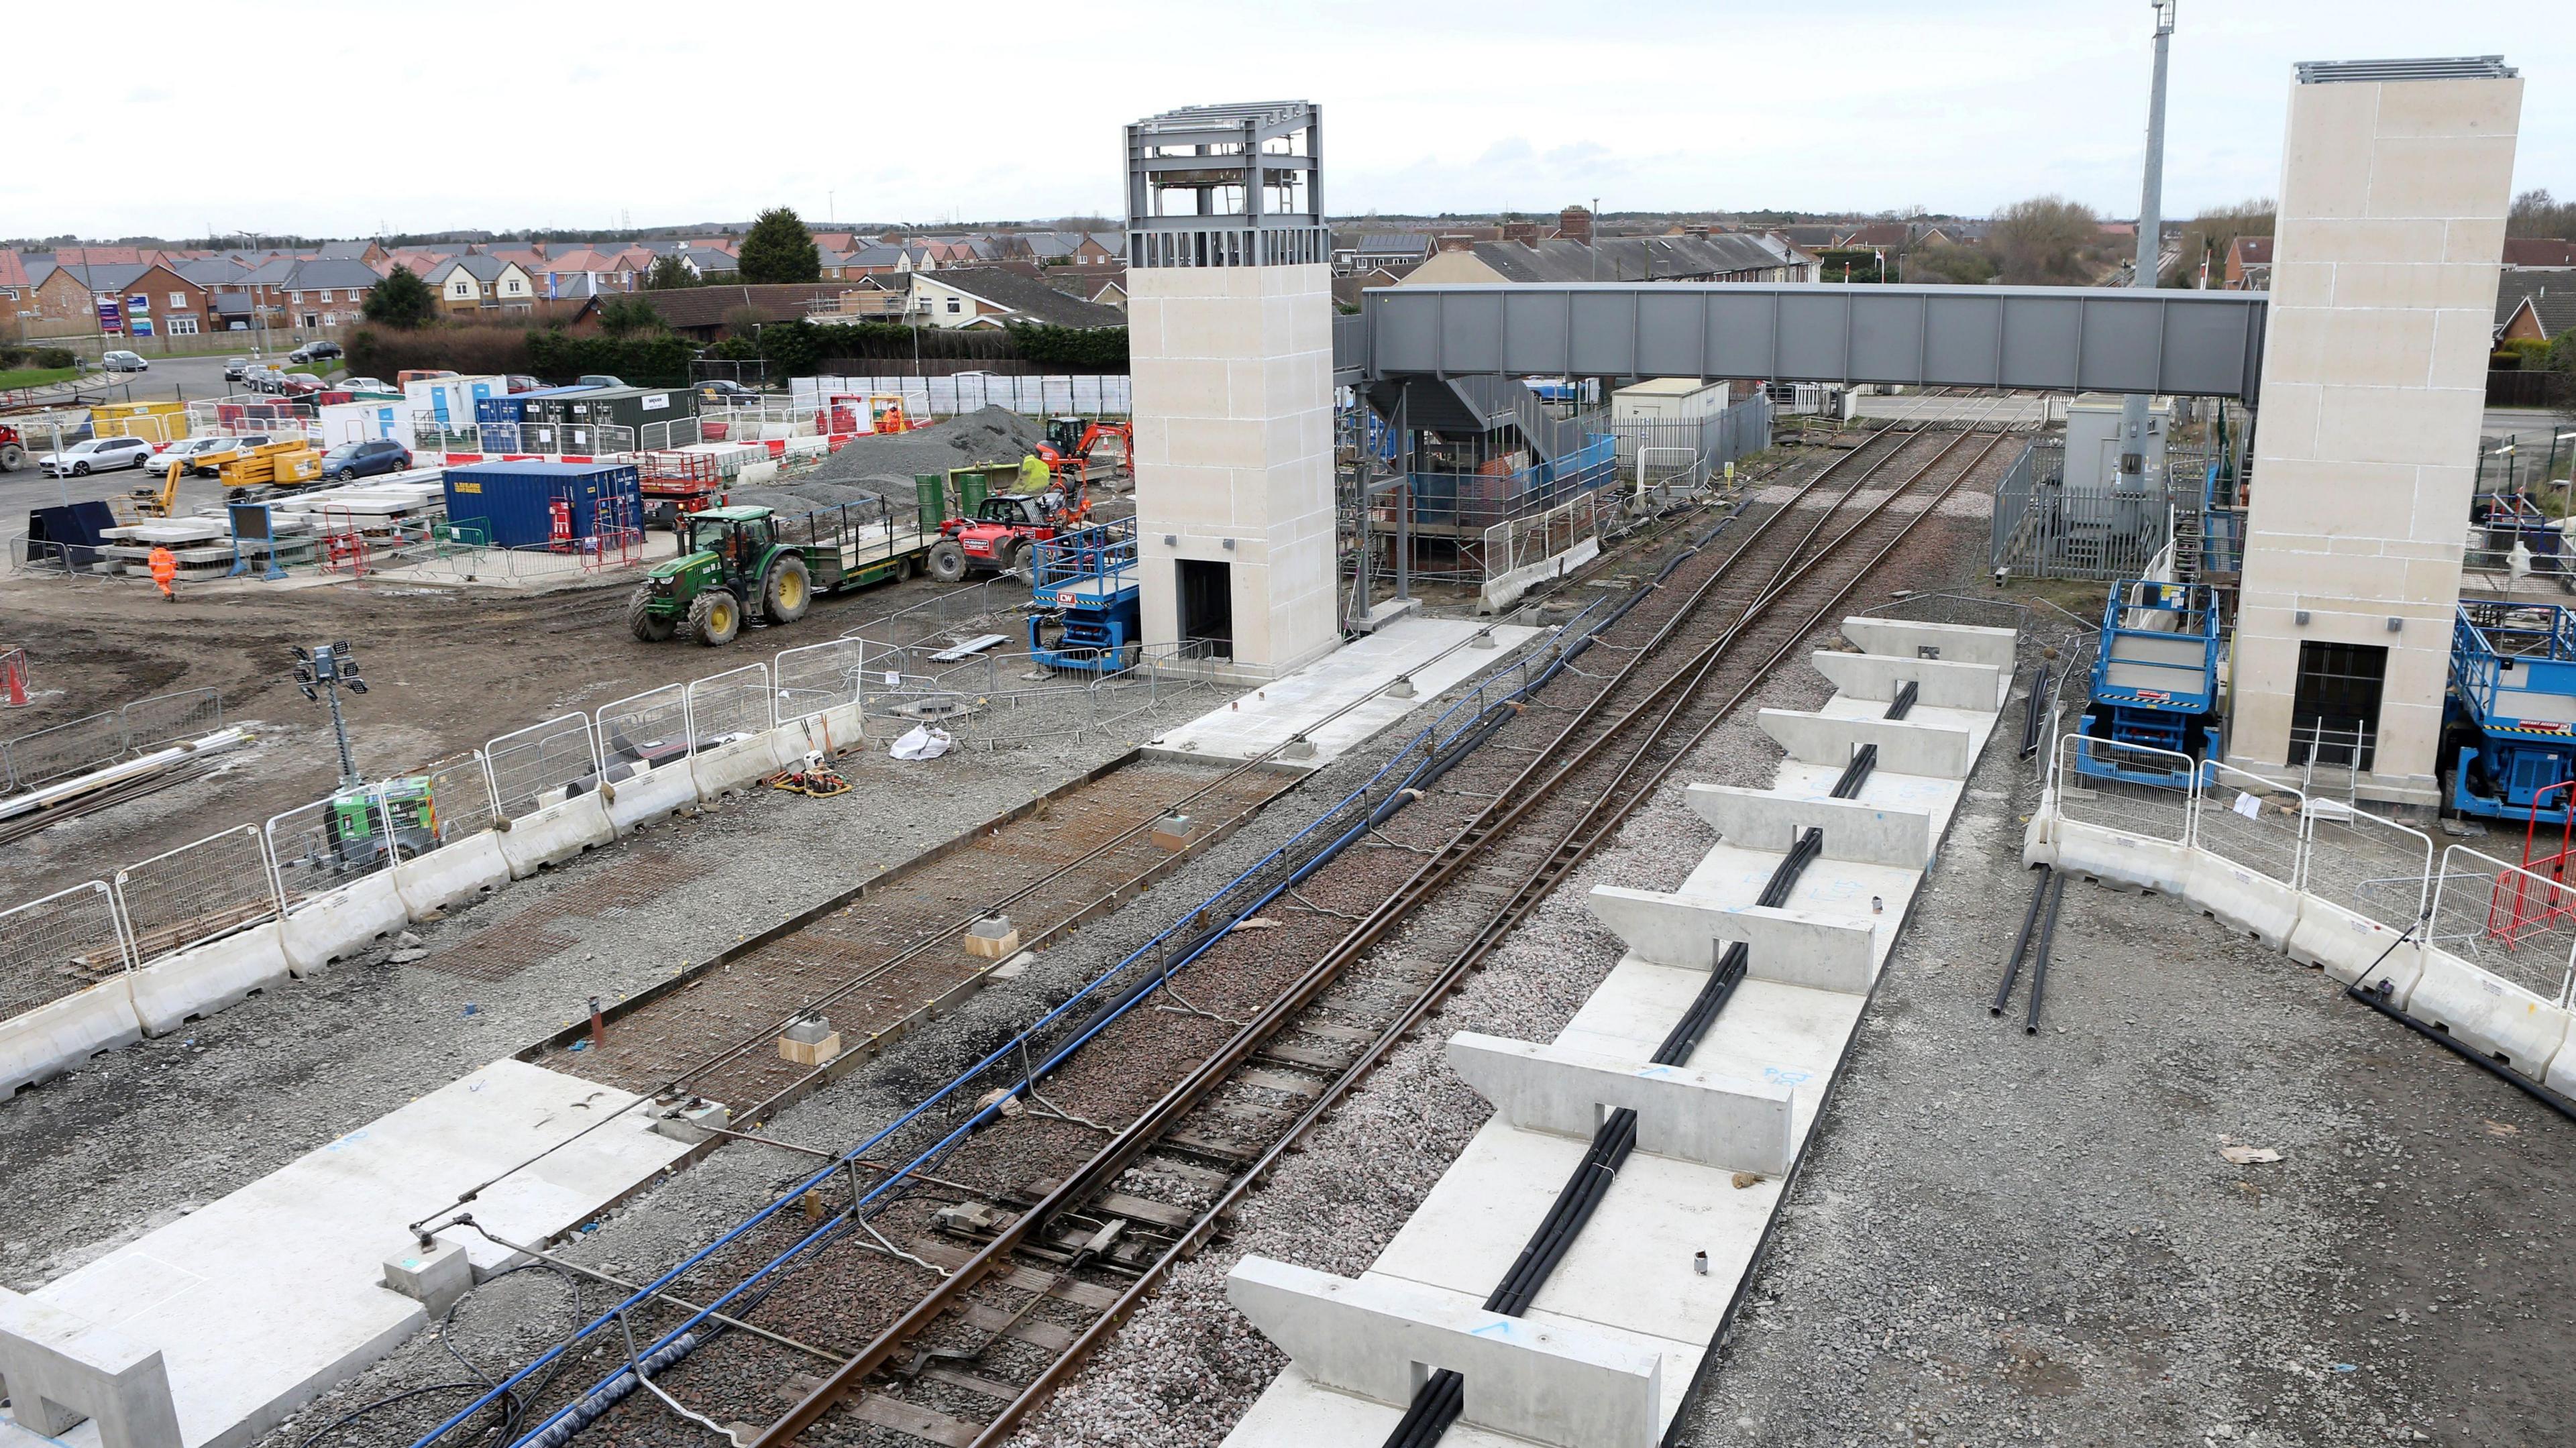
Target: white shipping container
449, 401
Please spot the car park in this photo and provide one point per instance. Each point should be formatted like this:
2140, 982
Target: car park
97, 455
365, 459
120, 361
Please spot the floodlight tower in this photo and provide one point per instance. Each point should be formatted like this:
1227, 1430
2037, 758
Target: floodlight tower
321, 674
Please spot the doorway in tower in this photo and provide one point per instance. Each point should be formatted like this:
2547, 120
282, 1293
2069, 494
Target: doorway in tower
1207, 606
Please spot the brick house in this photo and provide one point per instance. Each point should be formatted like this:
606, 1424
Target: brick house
327, 292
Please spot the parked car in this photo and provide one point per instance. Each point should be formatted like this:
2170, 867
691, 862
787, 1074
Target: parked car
316, 351
598, 379
125, 362
261, 379
522, 382
300, 384
365, 459
410, 375
97, 455
728, 394
194, 451
365, 384
234, 367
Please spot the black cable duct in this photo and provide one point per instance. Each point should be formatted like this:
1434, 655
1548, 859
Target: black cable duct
1437, 1403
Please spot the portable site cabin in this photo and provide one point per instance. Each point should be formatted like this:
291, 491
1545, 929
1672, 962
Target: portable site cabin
629, 407
450, 402
157, 421
363, 422
515, 500
517, 406
1668, 399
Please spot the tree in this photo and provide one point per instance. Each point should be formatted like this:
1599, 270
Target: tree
1963, 265
2537, 213
621, 315
778, 248
402, 300
2212, 232
670, 272
2045, 241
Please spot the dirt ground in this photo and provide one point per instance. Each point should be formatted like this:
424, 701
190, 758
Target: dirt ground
448, 671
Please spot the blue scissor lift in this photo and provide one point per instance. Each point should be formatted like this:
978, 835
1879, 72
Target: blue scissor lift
2155, 682
1083, 608
2512, 707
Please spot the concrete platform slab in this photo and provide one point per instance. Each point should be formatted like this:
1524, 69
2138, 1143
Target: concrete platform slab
268, 1297
1433, 652
1784, 1031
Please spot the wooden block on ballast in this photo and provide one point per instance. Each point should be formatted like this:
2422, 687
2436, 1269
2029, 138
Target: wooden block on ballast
809, 1042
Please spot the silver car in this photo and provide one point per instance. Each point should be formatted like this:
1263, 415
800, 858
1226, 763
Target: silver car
97, 455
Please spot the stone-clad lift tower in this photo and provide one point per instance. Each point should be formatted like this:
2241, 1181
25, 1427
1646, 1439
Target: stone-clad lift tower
1229, 302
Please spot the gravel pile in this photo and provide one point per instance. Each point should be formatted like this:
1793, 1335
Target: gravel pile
887, 463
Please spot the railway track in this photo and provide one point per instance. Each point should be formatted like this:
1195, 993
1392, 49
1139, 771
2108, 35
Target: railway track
980, 1274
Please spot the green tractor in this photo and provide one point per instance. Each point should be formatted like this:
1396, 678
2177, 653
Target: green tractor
730, 563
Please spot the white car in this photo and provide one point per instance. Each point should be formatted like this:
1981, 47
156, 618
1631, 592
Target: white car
190, 450
97, 455
125, 362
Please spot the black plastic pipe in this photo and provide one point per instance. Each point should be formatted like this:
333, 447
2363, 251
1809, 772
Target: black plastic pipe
2021, 942
2039, 962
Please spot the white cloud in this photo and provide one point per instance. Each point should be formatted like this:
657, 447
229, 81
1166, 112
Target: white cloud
499, 115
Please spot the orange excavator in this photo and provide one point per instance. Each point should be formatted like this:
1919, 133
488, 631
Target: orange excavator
1070, 440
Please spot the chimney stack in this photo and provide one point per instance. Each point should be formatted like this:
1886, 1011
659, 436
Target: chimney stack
1574, 223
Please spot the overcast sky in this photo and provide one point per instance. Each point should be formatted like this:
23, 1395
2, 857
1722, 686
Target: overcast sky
348, 119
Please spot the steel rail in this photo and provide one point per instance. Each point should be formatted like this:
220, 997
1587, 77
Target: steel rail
1138, 1135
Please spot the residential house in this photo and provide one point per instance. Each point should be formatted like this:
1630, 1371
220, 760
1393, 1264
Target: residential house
585, 272
2539, 253
2536, 304
327, 292
709, 262
17, 295
1348, 290
480, 282
1106, 286
1392, 251
142, 300
2249, 265
1732, 257
368, 251
57, 304
991, 297
708, 313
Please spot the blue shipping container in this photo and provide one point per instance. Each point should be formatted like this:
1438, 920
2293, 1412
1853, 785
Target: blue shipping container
514, 499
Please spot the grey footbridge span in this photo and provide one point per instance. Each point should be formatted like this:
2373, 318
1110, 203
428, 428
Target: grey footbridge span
2056, 339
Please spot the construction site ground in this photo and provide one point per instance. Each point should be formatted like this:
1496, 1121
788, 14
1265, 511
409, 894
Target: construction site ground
448, 671
1995, 1237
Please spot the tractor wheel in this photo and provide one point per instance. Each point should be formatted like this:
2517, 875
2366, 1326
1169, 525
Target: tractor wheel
947, 561
715, 616
790, 590
12, 457
643, 622
1017, 560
